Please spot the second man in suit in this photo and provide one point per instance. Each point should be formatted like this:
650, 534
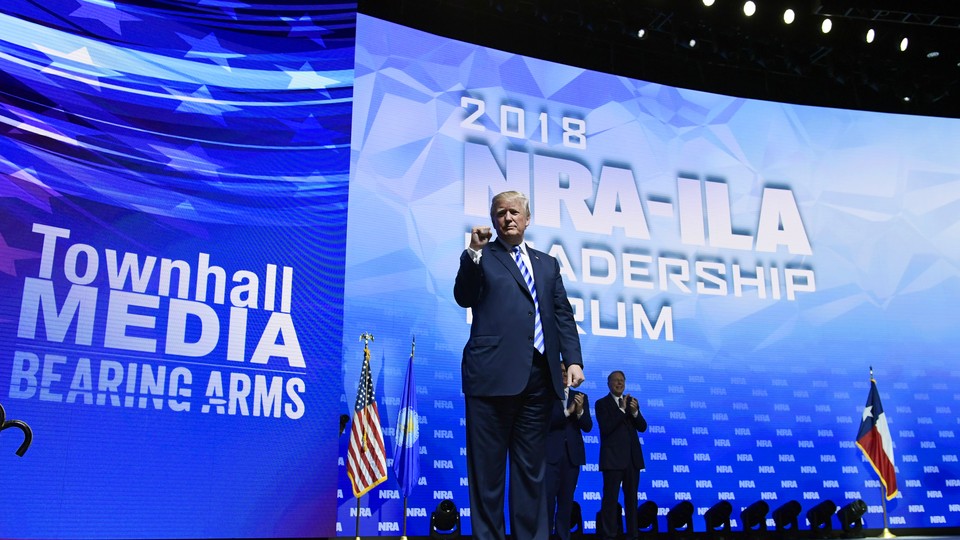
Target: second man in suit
621, 458
565, 455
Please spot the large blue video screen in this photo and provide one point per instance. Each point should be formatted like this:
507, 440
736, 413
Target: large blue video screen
173, 190
745, 263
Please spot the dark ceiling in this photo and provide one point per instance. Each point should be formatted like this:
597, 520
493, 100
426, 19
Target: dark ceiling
757, 57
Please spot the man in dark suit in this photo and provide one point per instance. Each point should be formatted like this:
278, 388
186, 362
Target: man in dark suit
621, 458
565, 455
522, 329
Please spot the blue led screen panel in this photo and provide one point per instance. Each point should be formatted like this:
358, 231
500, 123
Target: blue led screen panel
744, 262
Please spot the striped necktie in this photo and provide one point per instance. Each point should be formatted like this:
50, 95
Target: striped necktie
531, 286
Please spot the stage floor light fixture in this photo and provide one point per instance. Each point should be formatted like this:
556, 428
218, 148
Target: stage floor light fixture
821, 518
754, 517
680, 518
647, 518
576, 522
445, 521
717, 518
785, 517
851, 518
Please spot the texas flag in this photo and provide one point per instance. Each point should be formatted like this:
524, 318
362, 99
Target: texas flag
875, 442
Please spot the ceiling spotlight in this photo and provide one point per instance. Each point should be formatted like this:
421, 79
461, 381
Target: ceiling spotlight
642, 33
692, 43
708, 3
789, 16
826, 25
871, 35
749, 8
904, 43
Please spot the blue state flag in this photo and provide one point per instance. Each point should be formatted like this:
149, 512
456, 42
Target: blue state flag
406, 457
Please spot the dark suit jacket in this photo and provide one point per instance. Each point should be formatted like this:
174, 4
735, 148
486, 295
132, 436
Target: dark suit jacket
565, 439
619, 443
498, 356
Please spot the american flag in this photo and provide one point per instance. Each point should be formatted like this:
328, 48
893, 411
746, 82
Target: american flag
366, 460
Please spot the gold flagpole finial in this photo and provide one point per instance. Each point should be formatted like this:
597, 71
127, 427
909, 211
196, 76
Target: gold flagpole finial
413, 345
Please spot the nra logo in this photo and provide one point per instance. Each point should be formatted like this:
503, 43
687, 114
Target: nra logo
805, 444
764, 443
416, 512
389, 494
766, 469
681, 468
786, 458
726, 496
738, 380
852, 495
442, 464
364, 512
678, 441
659, 483
759, 392
781, 407
678, 415
808, 469
698, 404
849, 469
699, 430
592, 467
654, 403
739, 406
718, 391
720, 417
442, 434
768, 495
761, 418
440, 495
811, 495
657, 429
784, 432
747, 484
743, 431
801, 394
389, 526
443, 375
682, 496
591, 495
785, 484
700, 456
724, 469
388, 400
723, 443
828, 458
831, 484
950, 458
804, 419
658, 456
824, 433
703, 484
442, 404
591, 439
844, 420
674, 389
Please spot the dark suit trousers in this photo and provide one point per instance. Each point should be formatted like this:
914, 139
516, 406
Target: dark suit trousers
561, 484
514, 425
629, 478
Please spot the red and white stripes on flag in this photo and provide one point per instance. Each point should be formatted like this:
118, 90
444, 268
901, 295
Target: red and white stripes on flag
875, 442
366, 458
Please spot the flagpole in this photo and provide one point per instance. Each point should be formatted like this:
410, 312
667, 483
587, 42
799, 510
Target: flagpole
357, 528
404, 536
883, 497
413, 348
